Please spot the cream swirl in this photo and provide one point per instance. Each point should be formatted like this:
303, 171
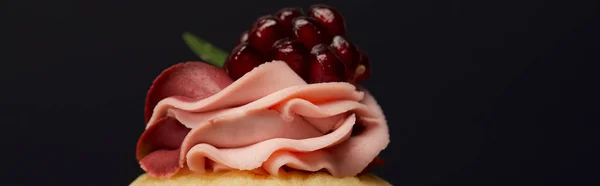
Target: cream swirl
270, 119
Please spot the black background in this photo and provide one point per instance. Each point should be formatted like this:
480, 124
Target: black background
476, 93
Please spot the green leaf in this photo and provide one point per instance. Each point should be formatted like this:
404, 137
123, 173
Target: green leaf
205, 50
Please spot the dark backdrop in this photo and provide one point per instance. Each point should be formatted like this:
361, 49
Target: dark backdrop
476, 93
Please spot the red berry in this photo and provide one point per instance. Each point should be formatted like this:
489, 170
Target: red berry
347, 52
330, 18
309, 32
325, 65
243, 37
242, 60
286, 16
265, 31
363, 70
294, 54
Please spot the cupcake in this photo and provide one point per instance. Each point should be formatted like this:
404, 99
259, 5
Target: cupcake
286, 108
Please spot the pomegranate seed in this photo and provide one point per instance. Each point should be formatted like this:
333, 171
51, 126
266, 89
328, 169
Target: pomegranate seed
363, 70
293, 53
286, 16
325, 65
242, 60
314, 45
347, 52
243, 37
308, 31
330, 18
265, 31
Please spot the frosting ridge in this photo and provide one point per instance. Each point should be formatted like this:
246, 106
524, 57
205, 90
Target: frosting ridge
268, 120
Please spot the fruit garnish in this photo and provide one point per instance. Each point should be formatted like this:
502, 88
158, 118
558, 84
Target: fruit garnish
325, 65
363, 70
289, 35
243, 37
265, 31
195, 80
294, 54
347, 53
330, 18
309, 32
286, 16
242, 60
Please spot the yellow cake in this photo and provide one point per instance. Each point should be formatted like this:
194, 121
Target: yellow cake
188, 178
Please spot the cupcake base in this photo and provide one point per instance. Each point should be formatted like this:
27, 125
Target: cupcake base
249, 178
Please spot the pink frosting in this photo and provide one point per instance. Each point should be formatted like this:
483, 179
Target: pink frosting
271, 119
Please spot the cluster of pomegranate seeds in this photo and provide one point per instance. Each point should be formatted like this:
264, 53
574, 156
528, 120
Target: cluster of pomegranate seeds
314, 45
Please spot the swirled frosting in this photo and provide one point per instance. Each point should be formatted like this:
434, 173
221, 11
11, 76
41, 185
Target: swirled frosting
268, 121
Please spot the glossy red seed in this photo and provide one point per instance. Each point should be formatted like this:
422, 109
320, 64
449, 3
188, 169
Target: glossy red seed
265, 31
330, 18
243, 37
242, 60
325, 65
347, 53
294, 54
363, 71
309, 32
286, 16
